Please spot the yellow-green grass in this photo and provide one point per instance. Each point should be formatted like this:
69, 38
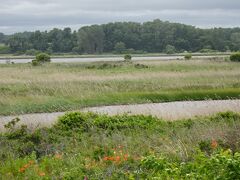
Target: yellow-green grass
61, 87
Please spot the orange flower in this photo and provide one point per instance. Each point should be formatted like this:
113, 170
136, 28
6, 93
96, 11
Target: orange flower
22, 170
58, 156
31, 162
118, 158
214, 144
126, 157
111, 159
26, 166
41, 174
105, 158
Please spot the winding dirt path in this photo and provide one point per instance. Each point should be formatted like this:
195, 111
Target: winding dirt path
168, 111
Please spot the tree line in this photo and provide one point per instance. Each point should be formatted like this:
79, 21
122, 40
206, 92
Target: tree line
121, 37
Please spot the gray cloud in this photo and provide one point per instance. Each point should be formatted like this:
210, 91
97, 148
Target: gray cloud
22, 15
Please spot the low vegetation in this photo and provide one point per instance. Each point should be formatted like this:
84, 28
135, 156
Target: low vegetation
188, 56
92, 146
60, 87
127, 57
235, 57
41, 59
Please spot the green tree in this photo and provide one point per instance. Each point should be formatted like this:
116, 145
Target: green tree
120, 47
91, 39
170, 49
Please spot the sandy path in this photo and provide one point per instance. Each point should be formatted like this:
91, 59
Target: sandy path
168, 111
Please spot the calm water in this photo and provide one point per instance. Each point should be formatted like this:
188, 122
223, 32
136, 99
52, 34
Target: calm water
75, 60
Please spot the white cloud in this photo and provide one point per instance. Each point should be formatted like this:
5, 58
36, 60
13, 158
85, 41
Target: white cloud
21, 15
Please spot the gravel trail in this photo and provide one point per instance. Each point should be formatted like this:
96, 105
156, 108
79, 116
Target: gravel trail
169, 111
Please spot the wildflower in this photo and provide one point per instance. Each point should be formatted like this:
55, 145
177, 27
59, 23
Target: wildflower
41, 174
26, 166
126, 157
105, 158
118, 158
58, 156
214, 144
22, 170
85, 178
111, 158
31, 162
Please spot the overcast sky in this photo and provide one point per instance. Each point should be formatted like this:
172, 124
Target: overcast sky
30, 15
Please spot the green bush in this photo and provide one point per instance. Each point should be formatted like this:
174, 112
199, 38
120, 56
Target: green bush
127, 57
141, 66
235, 57
35, 62
188, 56
75, 121
43, 58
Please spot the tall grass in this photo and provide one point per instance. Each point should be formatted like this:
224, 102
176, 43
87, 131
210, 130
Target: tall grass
60, 87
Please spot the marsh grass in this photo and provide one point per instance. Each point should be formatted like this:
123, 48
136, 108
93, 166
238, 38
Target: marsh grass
61, 87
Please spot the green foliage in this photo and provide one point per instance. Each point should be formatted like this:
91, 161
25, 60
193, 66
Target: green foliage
188, 56
43, 58
4, 49
207, 51
76, 121
93, 146
170, 49
84, 121
127, 57
221, 165
120, 47
35, 62
141, 66
32, 52
126, 37
235, 57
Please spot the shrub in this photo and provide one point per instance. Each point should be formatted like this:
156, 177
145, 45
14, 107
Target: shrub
188, 56
141, 66
75, 121
43, 57
35, 62
127, 57
235, 57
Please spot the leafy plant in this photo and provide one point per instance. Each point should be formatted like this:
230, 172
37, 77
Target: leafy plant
188, 56
127, 57
235, 57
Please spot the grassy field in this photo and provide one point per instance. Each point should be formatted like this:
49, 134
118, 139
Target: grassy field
91, 146
61, 87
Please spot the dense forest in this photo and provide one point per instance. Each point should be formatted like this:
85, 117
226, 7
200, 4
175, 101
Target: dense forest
122, 37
